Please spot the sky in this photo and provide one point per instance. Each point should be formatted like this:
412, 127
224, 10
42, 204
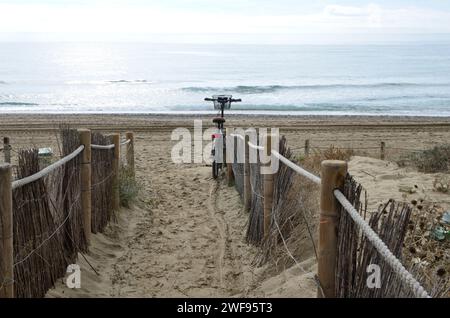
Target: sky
237, 21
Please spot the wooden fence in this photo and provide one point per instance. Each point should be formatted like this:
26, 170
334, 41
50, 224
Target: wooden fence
382, 151
47, 215
264, 207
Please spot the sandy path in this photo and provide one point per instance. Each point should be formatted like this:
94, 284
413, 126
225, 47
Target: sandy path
182, 244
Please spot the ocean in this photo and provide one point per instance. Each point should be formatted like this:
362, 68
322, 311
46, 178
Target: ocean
406, 79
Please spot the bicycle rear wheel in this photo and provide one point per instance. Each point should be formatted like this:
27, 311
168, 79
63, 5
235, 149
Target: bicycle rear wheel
215, 169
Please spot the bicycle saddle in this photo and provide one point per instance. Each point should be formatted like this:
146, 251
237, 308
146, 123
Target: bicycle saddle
219, 120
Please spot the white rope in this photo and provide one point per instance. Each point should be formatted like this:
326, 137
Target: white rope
103, 147
381, 247
296, 168
125, 142
19, 183
255, 146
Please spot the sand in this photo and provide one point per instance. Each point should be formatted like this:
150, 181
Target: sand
184, 237
386, 180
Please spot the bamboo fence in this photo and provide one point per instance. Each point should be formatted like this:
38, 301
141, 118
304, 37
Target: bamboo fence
45, 214
102, 183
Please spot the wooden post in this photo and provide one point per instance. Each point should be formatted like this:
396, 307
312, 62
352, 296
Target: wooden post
230, 158
7, 149
247, 185
333, 176
268, 188
86, 175
6, 233
130, 152
382, 150
116, 171
306, 147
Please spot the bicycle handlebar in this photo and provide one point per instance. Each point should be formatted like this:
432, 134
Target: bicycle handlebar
216, 99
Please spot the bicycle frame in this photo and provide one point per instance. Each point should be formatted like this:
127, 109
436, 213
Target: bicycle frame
218, 150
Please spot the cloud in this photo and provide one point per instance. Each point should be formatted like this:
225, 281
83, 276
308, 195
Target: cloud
102, 17
346, 11
371, 15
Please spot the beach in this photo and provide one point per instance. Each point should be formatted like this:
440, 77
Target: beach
184, 236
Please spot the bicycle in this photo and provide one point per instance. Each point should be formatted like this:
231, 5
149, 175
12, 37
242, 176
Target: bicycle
221, 102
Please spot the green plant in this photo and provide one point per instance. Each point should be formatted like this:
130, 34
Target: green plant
128, 187
300, 158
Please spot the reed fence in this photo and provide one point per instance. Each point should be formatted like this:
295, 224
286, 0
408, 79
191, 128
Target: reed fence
48, 214
102, 182
344, 243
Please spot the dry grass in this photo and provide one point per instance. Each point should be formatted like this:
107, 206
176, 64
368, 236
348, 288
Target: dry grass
313, 162
128, 186
296, 210
294, 222
432, 160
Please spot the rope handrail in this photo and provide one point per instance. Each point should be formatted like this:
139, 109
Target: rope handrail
297, 168
102, 147
44, 172
251, 145
381, 247
287, 162
125, 142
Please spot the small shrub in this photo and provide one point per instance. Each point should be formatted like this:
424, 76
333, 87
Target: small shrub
332, 153
336, 153
442, 184
300, 158
432, 160
128, 187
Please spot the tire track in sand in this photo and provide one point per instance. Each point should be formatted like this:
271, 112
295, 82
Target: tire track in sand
221, 227
230, 243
